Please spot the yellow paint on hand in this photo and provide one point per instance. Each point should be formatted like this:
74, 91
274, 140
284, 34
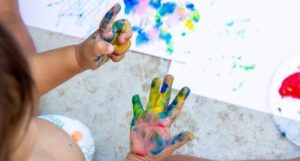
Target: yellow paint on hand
122, 48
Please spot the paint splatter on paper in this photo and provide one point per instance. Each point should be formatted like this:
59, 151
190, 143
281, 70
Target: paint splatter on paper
158, 17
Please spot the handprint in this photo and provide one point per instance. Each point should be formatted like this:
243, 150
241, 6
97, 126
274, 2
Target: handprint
150, 137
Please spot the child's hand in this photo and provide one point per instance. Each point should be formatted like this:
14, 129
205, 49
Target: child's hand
150, 129
111, 41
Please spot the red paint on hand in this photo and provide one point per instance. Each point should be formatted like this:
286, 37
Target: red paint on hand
291, 86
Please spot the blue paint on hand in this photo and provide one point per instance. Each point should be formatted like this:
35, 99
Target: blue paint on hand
108, 17
160, 144
163, 115
170, 107
178, 138
164, 88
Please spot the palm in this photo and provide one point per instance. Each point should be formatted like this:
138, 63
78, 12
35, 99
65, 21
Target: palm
150, 128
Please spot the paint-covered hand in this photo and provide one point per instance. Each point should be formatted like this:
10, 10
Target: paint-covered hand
110, 41
150, 137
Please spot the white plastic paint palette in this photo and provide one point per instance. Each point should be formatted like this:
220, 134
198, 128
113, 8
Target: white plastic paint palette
286, 110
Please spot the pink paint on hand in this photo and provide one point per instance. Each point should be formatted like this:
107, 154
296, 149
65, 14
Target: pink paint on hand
291, 86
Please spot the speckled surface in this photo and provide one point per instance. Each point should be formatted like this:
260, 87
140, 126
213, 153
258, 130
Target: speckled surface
102, 100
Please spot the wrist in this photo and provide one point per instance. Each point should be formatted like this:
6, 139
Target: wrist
80, 67
133, 157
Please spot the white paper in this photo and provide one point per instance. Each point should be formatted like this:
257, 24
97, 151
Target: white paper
80, 18
234, 34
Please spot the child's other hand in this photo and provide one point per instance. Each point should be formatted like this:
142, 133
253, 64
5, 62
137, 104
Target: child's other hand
110, 41
150, 138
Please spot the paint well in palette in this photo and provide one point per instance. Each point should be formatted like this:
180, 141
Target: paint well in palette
291, 86
158, 19
284, 99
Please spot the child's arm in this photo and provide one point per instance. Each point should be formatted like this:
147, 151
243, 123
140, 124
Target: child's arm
111, 41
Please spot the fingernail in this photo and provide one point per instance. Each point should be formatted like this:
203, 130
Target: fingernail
191, 136
118, 6
110, 48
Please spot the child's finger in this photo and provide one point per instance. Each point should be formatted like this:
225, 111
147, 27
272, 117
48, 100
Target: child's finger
124, 37
108, 20
122, 49
126, 33
178, 141
154, 93
137, 106
175, 107
165, 93
115, 58
102, 47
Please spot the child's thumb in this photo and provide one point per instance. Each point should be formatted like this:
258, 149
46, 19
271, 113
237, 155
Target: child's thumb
179, 140
103, 47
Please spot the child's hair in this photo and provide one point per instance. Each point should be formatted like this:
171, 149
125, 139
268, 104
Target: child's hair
16, 94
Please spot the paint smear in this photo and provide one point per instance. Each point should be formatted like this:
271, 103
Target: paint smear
291, 86
157, 18
237, 64
235, 89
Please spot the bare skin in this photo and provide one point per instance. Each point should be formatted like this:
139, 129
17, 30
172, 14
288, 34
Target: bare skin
43, 141
10, 17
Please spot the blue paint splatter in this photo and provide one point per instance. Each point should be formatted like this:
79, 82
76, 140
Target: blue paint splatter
283, 134
168, 39
155, 3
142, 36
241, 33
230, 24
166, 36
183, 34
167, 8
279, 109
190, 6
130, 4
158, 21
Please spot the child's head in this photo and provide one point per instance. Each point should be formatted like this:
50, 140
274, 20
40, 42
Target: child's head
16, 95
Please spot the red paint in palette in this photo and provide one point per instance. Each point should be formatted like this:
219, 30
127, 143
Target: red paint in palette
291, 86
